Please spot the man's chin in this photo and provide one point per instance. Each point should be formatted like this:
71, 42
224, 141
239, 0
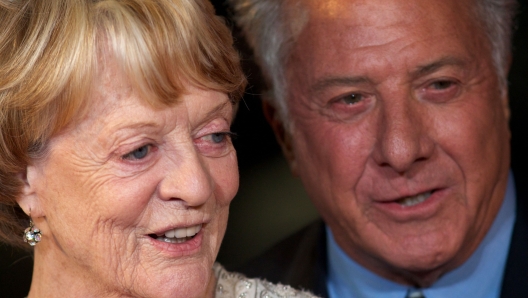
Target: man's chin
417, 261
420, 268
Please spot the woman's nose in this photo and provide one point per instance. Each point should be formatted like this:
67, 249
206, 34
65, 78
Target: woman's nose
187, 178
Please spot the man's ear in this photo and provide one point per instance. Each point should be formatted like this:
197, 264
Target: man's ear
28, 200
282, 134
506, 105
504, 93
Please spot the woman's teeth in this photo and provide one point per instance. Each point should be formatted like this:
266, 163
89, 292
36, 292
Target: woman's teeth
414, 200
179, 235
183, 232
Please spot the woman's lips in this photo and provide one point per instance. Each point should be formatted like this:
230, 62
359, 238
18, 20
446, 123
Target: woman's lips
178, 235
176, 247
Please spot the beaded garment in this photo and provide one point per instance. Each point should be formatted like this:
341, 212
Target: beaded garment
236, 285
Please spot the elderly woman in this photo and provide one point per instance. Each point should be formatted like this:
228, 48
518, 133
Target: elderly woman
115, 153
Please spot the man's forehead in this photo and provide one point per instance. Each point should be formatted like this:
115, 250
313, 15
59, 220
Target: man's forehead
319, 11
411, 38
328, 9
341, 25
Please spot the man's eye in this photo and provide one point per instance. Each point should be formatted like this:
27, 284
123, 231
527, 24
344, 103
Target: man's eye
138, 153
351, 99
440, 90
441, 85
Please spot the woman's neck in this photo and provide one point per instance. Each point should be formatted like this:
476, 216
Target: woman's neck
54, 276
211, 286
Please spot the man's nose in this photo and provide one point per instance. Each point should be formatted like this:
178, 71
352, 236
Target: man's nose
402, 136
187, 179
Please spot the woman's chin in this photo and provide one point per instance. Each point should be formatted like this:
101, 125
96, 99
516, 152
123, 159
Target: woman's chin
160, 267
179, 281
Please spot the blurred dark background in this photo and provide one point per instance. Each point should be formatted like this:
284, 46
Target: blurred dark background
271, 203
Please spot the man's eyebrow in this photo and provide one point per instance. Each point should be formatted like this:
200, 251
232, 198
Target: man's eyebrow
434, 66
326, 82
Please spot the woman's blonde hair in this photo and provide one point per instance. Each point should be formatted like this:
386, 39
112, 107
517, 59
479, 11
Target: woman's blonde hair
49, 52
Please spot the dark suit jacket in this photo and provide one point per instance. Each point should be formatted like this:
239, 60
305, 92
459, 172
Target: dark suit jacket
300, 260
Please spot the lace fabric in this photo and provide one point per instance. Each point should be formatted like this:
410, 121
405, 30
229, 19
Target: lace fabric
236, 285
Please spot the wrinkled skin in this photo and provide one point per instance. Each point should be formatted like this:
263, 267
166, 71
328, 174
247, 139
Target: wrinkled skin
125, 170
391, 99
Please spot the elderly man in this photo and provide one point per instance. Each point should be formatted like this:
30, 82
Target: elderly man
394, 114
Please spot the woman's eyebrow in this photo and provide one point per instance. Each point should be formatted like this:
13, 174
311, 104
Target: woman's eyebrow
219, 109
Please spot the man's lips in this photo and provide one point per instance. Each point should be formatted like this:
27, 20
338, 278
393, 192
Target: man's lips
418, 206
414, 200
409, 200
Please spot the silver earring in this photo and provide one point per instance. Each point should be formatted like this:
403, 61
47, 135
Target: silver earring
32, 234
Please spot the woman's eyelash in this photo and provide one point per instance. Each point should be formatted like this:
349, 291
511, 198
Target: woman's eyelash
221, 136
143, 151
231, 135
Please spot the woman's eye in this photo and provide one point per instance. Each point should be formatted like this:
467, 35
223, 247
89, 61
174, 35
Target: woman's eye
138, 153
219, 137
215, 144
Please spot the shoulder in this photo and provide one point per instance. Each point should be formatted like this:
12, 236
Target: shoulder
231, 285
299, 260
301, 249
516, 271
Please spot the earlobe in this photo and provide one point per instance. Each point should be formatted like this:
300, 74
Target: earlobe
282, 134
28, 198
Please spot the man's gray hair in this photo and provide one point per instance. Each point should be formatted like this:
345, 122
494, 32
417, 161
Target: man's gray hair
270, 32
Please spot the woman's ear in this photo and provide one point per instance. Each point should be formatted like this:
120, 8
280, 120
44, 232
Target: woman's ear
28, 200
